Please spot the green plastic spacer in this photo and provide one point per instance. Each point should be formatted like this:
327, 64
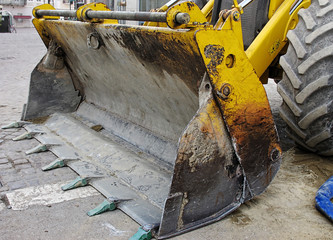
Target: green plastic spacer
39, 148
58, 163
103, 207
18, 124
142, 234
27, 135
78, 182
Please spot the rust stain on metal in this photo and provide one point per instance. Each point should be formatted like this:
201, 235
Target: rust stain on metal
205, 169
258, 122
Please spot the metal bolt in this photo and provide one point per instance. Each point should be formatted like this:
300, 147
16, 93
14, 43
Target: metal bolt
275, 155
225, 91
236, 16
230, 60
182, 18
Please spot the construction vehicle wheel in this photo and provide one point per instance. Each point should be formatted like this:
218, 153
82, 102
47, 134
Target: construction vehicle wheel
307, 83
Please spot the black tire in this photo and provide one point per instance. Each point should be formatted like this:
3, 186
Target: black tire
307, 83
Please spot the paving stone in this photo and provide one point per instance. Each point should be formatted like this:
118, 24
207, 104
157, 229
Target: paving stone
11, 178
2, 155
16, 185
8, 171
4, 189
20, 161
19, 146
18, 133
3, 160
28, 171
27, 177
8, 137
5, 166
14, 155
22, 166
1, 141
33, 182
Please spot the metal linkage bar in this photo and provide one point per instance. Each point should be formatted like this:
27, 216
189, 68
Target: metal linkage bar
245, 3
124, 15
56, 13
181, 18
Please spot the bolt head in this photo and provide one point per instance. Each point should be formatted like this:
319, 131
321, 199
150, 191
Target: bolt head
236, 16
226, 91
275, 155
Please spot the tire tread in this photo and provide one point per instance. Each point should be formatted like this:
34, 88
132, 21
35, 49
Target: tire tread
307, 84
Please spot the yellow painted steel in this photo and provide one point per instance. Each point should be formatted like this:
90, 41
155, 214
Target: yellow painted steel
240, 75
273, 6
272, 37
235, 5
197, 18
81, 13
241, 97
44, 7
208, 8
42, 33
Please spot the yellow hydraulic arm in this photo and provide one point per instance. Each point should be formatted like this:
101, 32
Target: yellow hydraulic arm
272, 37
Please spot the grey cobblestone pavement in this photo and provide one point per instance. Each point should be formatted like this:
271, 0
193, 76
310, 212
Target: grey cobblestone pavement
18, 170
19, 53
285, 211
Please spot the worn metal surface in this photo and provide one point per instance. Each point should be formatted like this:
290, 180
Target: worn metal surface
135, 63
51, 87
117, 171
123, 15
140, 87
208, 181
244, 105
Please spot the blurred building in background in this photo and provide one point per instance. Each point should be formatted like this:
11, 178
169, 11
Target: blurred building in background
22, 9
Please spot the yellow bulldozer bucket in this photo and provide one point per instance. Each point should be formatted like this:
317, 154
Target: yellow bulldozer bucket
168, 120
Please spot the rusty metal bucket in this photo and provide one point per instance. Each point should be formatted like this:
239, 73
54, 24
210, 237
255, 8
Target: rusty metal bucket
133, 112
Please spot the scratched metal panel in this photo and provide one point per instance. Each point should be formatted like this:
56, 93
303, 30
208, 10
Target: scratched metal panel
114, 170
147, 76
